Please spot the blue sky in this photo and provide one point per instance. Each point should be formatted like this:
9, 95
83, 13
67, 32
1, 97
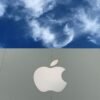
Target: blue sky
50, 23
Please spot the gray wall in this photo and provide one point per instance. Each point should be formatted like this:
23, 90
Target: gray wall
82, 73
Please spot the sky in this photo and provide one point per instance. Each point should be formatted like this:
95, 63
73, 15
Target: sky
49, 23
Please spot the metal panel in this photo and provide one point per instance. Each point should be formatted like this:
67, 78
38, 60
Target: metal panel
82, 74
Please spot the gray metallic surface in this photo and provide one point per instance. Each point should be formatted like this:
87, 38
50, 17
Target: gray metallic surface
82, 73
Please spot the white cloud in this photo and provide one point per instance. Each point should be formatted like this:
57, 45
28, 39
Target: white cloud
38, 7
42, 33
69, 37
87, 22
48, 37
89, 25
2, 9
56, 21
95, 4
95, 40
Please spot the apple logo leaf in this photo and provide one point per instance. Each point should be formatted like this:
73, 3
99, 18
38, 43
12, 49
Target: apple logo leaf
53, 63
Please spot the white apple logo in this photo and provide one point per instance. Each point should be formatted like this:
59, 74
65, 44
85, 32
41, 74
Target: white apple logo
49, 79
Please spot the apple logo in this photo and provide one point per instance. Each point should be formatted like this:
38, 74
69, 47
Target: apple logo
49, 79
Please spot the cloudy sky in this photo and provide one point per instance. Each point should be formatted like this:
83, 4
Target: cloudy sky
49, 23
